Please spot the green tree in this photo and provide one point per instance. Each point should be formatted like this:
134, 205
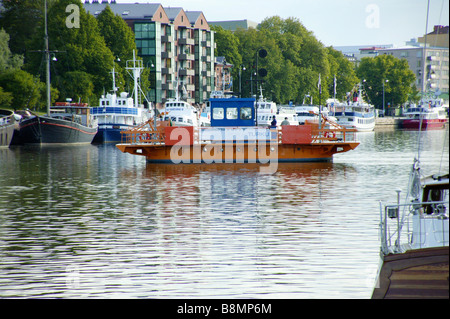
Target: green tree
6, 98
228, 46
345, 74
77, 85
80, 49
21, 19
8, 60
27, 90
294, 56
378, 70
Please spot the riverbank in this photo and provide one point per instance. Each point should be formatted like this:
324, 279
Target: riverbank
389, 122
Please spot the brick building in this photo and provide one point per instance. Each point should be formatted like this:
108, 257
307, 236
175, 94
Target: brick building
177, 46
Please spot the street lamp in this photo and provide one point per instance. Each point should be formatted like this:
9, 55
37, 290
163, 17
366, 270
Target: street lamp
385, 81
242, 68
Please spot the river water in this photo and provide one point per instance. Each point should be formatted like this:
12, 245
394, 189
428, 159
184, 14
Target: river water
91, 222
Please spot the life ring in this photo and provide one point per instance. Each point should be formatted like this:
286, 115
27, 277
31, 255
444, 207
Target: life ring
330, 134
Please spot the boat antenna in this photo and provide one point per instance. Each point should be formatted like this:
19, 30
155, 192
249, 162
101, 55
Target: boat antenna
424, 59
47, 59
136, 66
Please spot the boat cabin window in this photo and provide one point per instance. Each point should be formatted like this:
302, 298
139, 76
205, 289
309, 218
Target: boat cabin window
218, 113
246, 113
232, 113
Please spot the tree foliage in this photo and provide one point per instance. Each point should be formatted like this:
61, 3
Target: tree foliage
375, 72
294, 61
7, 59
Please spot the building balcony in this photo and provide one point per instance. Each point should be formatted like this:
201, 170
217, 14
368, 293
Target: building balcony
189, 72
186, 41
165, 55
188, 87
206, 44
186, 57
166, 38
167, 86
206, 58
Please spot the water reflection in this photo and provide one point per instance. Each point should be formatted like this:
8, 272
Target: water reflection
89, 221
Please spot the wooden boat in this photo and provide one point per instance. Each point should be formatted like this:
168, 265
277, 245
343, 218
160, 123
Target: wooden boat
66, 123
414, 245
233, 137
63, 123
7, 124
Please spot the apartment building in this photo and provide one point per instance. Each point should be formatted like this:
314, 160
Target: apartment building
430, 67
177, 46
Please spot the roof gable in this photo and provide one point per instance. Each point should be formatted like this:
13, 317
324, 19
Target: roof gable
197, 20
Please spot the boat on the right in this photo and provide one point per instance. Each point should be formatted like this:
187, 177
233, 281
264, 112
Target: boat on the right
428, 114
414, 241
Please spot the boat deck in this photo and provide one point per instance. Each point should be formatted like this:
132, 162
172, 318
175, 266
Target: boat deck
415, 274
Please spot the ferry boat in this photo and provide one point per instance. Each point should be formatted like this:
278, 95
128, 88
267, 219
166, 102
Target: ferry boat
429, 114
358, 114
414, 242
7, 125
234, 137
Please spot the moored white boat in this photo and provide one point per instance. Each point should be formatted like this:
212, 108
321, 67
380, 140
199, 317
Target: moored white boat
180, 113
357, 115
7, 124
415, 242
117, 113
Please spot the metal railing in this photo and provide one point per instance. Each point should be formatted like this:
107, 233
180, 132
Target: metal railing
396, 225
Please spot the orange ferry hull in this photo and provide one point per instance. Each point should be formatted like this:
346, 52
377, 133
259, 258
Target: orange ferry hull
238, 153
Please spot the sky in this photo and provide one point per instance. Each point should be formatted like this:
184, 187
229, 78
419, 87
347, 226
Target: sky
333, 22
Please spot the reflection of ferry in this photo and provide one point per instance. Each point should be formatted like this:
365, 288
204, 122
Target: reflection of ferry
429, 114
234, 138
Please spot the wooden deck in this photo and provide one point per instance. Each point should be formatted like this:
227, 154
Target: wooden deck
415, 274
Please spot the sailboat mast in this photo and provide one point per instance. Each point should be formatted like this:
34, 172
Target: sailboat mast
47, 59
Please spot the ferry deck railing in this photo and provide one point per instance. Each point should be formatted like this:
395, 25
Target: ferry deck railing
147, 134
